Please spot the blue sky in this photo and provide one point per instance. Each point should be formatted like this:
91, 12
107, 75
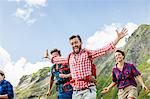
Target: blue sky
61, 19
29, 27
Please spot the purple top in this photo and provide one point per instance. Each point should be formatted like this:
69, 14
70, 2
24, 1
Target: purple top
125, 77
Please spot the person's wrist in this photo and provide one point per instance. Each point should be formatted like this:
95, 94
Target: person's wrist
108, 87
143, 85
118, 38
49, 91
68, 75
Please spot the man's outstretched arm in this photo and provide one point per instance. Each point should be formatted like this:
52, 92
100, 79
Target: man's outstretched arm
55, 60
105, 49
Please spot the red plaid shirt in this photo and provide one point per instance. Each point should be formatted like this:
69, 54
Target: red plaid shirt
80, 65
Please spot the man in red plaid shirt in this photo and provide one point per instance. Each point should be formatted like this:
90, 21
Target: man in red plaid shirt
80, 65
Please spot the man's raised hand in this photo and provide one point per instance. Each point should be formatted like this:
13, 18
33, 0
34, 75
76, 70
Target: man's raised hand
122, 34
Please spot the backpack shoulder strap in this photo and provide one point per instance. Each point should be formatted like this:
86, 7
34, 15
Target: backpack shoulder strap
93, 66
53, 68
89, 54
69, 57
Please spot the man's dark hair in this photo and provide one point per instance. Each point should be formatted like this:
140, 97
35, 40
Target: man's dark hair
74, 36
1, 74
55, 50
123, 54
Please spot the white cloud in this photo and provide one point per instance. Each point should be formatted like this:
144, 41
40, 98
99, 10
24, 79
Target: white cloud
15, 70
25, 13
131, 27
32, 3
18, 0
108, 34
36, 3
15, 0
4, 57
31, 21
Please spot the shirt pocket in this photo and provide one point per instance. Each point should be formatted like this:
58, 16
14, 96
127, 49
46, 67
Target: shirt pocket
127, 73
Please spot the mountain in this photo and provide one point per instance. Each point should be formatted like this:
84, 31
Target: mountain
34, 86
137, 51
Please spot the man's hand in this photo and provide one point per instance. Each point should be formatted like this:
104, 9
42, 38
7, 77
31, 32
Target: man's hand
92, 79
64, 75
122, 34
48, 93
46, 55
105, 90
145, 88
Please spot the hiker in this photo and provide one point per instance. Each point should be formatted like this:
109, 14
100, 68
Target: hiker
80, 62
123, 75
6, 89
64, 91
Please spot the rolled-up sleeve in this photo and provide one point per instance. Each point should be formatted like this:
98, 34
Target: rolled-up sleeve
135, 70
